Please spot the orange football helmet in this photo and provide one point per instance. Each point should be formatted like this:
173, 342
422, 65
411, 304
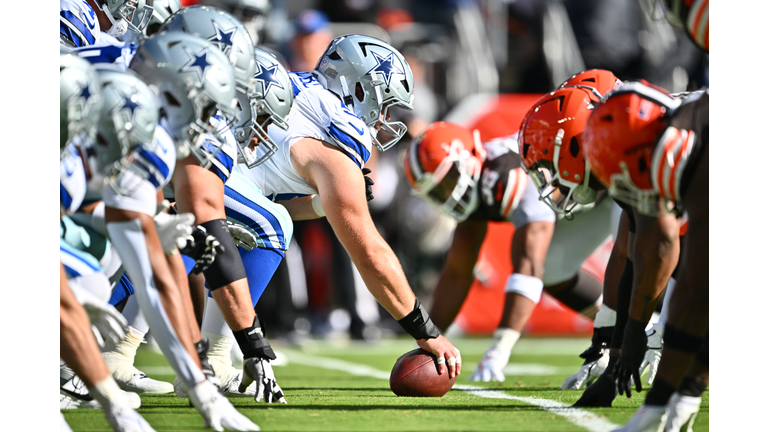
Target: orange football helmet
550, 146
620, 143
443, 165
600, 80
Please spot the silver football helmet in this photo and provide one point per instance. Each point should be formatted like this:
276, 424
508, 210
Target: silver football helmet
161, 10
125, 15
252, 13
126, 126
225, 32
80, 100
370, 76
269, 104
193, 80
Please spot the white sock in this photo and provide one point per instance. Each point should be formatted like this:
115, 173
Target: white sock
606, 317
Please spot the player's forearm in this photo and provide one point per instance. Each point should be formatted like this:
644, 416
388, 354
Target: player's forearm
384, 277
656, 251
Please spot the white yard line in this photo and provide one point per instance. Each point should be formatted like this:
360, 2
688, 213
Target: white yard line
585, 419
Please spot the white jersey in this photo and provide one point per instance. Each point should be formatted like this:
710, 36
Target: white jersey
72, 183
316, 113
78, 24
225, 152
109, 51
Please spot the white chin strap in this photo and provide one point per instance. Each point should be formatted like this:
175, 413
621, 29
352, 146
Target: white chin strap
119, 27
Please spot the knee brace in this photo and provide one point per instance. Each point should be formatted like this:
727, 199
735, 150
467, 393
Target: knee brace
527, 286
228, 266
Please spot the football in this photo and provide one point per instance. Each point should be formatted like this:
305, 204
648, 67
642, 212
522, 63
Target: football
415, 374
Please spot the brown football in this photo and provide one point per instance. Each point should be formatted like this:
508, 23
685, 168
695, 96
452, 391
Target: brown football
415, 374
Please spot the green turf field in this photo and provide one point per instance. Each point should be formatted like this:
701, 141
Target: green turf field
343, 386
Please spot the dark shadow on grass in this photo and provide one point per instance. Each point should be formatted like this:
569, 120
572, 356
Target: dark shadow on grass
399, 407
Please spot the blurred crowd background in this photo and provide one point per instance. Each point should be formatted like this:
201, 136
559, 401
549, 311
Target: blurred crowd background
463, 54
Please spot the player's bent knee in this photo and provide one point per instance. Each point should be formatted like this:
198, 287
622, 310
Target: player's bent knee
228, 266
527, 286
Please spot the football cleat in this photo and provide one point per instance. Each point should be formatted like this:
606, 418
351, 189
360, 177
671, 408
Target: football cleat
647, 418
131, 379
682, 413
229, 378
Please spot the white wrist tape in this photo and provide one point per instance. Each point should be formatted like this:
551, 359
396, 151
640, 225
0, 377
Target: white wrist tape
606, 317
317, 206
527, 286
505, 338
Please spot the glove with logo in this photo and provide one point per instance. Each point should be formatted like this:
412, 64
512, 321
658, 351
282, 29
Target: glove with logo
201, 247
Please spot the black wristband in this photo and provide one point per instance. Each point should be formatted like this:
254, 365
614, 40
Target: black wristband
635, 341
253, 343
682, 341
418, 324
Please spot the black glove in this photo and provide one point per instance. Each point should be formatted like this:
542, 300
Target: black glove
603, 391
632, 353
201, 247
368, 184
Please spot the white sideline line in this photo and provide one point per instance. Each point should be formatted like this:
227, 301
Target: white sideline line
585, 419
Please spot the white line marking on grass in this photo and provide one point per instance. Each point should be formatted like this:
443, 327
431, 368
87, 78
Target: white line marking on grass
579, 417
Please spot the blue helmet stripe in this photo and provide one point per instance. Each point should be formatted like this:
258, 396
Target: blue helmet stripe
77, 24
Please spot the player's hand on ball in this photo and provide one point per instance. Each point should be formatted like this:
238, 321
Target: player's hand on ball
448, 356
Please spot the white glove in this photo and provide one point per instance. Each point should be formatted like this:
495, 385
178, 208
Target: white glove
242, 236
172, 227
260, 370
110, 323
588, 373
653, 354
218, 413
123, 418
491, 366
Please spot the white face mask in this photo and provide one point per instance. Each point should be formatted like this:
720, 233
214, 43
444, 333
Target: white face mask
118, 28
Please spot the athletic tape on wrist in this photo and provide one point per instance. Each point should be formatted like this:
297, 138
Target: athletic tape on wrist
505, 338
227, 267
606, 317
317, 206
253, 343
527, 286
418, 324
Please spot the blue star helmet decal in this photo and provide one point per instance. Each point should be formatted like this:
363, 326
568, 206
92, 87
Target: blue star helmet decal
223, 38
128, 103
85, 91
266, 76
199, 61
386, 66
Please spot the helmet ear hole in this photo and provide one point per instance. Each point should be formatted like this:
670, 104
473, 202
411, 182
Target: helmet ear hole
526, 147
359, 93
642, 165
171, 100
574, 147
